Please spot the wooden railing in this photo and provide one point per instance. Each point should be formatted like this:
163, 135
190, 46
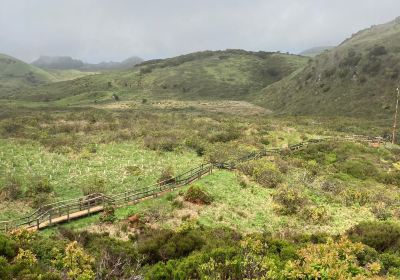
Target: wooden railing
66, 210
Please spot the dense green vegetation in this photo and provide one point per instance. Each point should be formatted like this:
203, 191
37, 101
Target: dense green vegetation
231, 74
357, 78
194, 252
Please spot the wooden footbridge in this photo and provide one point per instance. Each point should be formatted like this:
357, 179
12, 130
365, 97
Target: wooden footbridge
64, 211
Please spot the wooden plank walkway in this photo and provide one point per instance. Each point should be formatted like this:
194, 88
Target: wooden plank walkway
64, 211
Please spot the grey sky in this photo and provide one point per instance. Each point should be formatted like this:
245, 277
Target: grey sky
97, 30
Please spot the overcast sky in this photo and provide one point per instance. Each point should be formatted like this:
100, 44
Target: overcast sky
103, 30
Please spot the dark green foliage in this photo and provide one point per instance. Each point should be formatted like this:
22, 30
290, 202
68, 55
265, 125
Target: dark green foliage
164, 244
377, 51
351, 59
12, 189
360, 169
40, 185
196, 194
8, 248
382, 236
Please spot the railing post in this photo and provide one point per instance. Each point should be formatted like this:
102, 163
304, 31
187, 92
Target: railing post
68, 212
37, 224
50, 212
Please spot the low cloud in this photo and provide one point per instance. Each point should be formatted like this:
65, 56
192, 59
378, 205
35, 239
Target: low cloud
98, 30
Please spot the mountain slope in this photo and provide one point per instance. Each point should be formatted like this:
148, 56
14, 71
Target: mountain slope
315, 51
357, 78
231, 74
16, 73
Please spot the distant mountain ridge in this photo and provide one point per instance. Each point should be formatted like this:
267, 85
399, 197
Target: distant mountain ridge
67, 63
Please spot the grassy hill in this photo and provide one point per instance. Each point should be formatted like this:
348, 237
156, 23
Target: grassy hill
315, 51
231, 74
15, 73
17, 76
357, 78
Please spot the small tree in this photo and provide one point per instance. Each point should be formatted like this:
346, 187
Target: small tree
76, 262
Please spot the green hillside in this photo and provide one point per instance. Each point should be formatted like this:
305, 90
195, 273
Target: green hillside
231, 74
15, 73
357, 78
315, 51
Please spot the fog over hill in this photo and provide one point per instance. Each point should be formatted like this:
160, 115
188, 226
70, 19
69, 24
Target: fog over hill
66, 62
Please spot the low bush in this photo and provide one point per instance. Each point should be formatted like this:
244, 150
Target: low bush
40, 185
164, 245
289, 199
315, 214
263, 172
196, 194
12, 189
167, 175
161, 142
382, 236
360, 169
8, 248
95, 185
108, 215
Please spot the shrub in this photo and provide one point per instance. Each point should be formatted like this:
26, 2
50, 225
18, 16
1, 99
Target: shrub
333, 260
315, 214
382, 236
360, 169
229, 134
381, 211
162, 245
351, 59
197, 145
167, 175
95, 185
8, 248
377, 51
40, 185
351, 196
41, 199
266, 177
197, 195
162, 142
289, 200
108, 215
12, 189
372, 66
263, 172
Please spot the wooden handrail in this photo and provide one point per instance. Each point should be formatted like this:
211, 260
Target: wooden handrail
50, 212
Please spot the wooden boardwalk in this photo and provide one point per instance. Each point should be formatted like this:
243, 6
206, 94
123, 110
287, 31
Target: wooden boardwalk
64, 211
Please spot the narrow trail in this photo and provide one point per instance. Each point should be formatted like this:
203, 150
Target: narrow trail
67, 210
